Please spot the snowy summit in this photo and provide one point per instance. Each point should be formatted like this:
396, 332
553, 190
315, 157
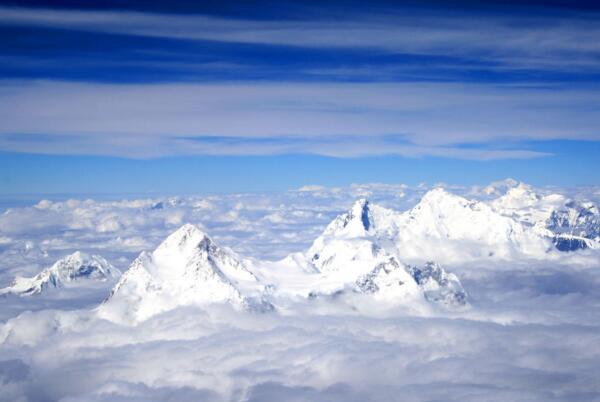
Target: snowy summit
188, 268
75, 269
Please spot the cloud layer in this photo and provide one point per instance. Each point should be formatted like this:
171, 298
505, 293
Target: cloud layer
410, 82
529, 336
261, 119
567, 42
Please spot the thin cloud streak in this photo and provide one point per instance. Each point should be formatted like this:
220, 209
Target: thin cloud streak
567, 43
138, 146
275, 118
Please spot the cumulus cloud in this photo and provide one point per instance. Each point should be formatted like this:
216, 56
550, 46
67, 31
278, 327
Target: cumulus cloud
332, 356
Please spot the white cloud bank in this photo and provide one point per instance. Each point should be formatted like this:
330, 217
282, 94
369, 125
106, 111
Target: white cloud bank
190, 355
532, 333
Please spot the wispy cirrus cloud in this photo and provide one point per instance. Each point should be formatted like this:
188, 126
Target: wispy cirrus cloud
257, 118
567, 42
137, 146
411, 82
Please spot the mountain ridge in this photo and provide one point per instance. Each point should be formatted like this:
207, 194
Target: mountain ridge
73, 268
392, 257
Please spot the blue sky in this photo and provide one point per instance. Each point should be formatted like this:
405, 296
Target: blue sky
192, 97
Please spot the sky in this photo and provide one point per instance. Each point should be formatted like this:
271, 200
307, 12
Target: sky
201, 97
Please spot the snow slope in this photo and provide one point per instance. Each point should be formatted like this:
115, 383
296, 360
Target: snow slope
441, 227
571, 224
188, 268
354, 253
74, 269
393, 257
446, 227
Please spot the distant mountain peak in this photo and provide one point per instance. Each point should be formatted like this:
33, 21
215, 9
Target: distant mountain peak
440, 202
522, 191
498, 188
571, 224
437, 192
75, 267
518, 197
441, 196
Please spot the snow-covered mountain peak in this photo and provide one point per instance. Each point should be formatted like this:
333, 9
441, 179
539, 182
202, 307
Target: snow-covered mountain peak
356, 222
436, 194
442, 226
447, 227
359, 248
439, 198
439, 285
438, 204
520, 196
185, 239
576, 225
360, 211
189, 252
80, 265
188, 268
76, 267
500, 187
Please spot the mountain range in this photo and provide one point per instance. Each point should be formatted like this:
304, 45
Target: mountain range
390, 257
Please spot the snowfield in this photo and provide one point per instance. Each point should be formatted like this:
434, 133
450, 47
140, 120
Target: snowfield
366, 293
